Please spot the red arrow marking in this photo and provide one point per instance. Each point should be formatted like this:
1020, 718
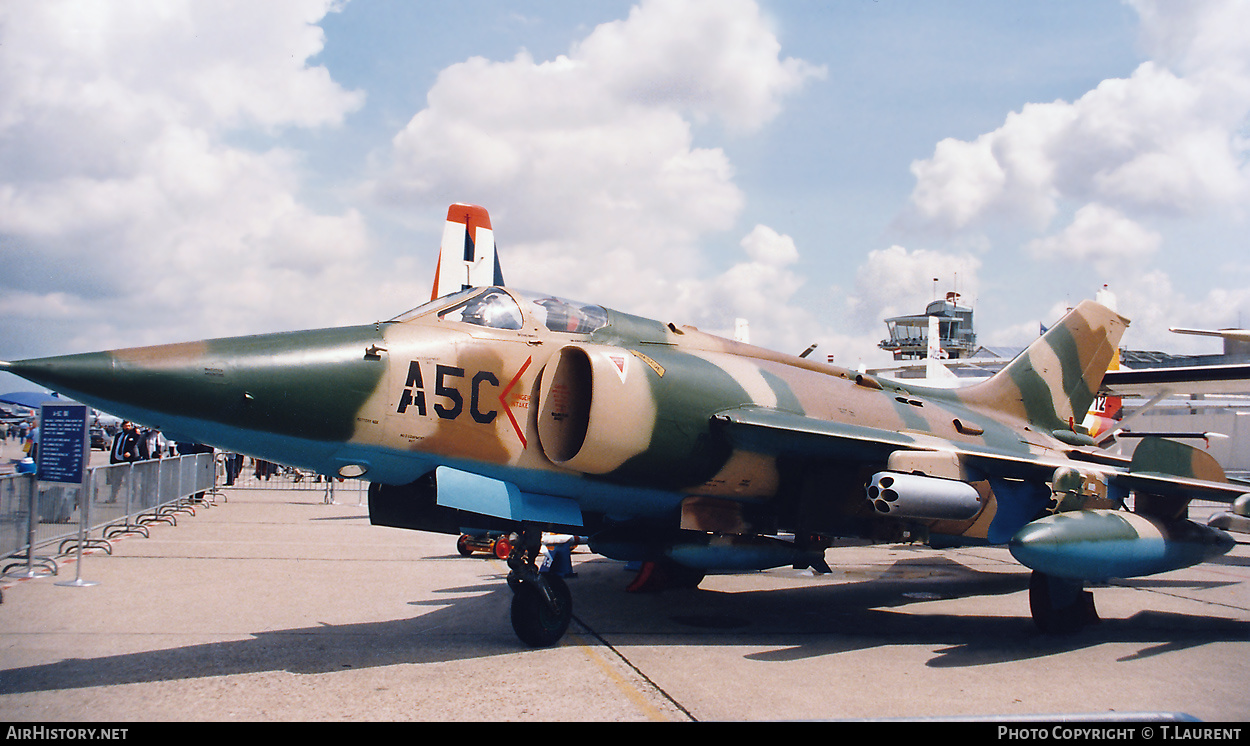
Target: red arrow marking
503, 396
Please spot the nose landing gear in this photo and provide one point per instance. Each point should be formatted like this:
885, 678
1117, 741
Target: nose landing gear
542, 606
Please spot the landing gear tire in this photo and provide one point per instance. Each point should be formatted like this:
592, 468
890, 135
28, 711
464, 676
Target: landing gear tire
503, 547
541, 618
1060, 606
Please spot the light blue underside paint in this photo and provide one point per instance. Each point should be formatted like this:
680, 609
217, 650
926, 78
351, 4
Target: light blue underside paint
1103, 544
1018, 503
395, 466
477, 494
1117, 558
738, 557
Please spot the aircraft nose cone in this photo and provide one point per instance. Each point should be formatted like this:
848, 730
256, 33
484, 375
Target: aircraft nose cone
87, 371
305, 383
114, 380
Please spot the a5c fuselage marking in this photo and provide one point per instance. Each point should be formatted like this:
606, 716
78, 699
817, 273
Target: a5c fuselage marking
451, 403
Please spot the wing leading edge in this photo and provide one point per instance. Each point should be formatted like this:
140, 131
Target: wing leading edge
1160, 467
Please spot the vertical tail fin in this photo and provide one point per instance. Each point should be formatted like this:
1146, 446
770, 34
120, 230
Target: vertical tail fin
1053, 383
467, 256
934, 369
1104, 416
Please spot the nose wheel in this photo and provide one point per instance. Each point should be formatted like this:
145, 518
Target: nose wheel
541, 611
542, 606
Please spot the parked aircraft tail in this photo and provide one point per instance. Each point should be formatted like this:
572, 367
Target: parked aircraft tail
935, 371
1103, 418
1053, 383
467, 256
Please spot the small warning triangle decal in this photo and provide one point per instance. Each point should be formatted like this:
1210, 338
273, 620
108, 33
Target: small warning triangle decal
620, 362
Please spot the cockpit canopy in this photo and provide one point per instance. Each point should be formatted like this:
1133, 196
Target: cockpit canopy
498, 308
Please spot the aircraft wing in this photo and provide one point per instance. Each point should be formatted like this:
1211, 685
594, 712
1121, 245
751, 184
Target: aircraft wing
1159, 483
1237, 335
1197, 379
778, 432
1160, 467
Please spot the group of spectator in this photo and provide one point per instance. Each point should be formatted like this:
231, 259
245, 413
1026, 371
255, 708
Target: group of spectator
133, 444
234, 467
17, 430
26, 433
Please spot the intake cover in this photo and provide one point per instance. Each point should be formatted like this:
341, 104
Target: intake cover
595, 408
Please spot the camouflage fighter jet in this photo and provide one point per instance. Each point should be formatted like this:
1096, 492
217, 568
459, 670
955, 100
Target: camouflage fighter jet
521, 412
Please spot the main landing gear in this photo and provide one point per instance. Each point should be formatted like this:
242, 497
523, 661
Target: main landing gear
1059, 605
542, 606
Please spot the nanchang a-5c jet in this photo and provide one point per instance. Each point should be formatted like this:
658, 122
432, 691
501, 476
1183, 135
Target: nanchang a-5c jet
521, 412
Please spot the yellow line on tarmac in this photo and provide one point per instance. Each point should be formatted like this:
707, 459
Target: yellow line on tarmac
629, 690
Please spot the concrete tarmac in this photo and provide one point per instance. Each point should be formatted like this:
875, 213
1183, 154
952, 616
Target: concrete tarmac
275, 606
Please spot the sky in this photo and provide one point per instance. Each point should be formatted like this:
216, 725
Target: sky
174, 170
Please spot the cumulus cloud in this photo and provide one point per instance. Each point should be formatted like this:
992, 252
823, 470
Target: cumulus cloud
1129, 160
1101, 236
545, 145
588, 162
1005, 173
1199, 36
1167, 140
121, 192
1153, 142
716, 60
758, 289
896, 281
141, 199
1153, 304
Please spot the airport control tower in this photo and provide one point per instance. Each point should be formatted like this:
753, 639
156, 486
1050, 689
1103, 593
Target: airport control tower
909, 335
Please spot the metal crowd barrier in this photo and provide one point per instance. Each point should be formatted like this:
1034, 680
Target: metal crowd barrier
278, 477
120, 499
